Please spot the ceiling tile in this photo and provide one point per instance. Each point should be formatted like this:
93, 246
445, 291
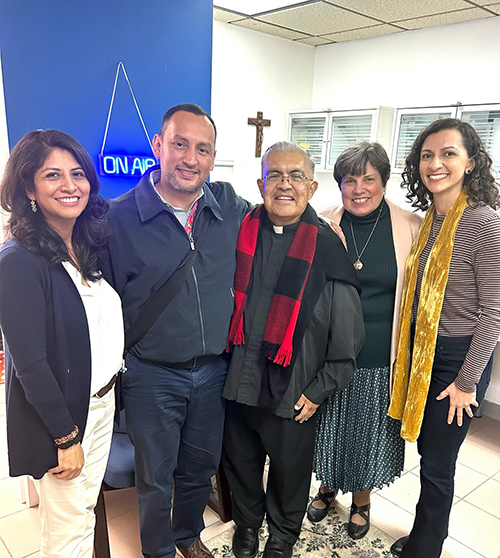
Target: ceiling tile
223, 15
318, 19
392, 10
364, 33
494, 8
250, 7
445, 19
270, 29
315, 41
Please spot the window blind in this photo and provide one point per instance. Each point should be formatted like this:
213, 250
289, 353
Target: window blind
346, 130
308, 132
487, 125
410, 125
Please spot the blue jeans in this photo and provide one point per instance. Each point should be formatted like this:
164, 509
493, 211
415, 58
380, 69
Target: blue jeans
175, 419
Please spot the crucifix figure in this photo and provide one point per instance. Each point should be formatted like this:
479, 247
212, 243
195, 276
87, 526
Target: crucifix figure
259, 124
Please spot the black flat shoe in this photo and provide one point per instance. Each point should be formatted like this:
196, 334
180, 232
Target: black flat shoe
277, 548
397, 546
354, 530
318, 514
246, 542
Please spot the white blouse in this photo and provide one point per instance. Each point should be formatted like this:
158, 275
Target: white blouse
105, 321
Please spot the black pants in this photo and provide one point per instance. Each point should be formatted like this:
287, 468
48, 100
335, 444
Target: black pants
438, 445
250, 434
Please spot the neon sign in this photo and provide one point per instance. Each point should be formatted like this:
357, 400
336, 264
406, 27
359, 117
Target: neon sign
125, 165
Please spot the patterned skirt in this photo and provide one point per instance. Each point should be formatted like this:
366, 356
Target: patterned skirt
358, 446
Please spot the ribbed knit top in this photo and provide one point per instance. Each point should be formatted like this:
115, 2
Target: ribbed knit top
472, 297
378, 280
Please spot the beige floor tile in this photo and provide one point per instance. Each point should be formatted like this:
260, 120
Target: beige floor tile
497, 477
393, 520
478, 423
21, 532
412, 458
3, 550
9, 497
35, 555
475, 529
454, 549
480, 458
210, 517
467, 480
215, 530
4, 469
404, 492
488, 436
119, 502
487, 497
124, 538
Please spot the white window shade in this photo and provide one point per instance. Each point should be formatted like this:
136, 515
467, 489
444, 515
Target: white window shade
308, 132
346, 130
410, 125
487, 125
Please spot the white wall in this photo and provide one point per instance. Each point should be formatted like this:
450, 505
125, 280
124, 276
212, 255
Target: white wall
435, 66
254, 72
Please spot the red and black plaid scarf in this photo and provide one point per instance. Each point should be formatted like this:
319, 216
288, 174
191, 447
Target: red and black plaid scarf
287, 298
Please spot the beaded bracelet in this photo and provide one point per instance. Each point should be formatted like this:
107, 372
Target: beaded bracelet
66, 441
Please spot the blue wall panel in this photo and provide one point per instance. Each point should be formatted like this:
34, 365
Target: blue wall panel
59, 61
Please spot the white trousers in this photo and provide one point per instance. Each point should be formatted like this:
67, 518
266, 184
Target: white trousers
66, 507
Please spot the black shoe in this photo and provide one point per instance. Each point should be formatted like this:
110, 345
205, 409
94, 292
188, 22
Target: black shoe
317, 514
397, 547
359, 531
277, 548
246, 542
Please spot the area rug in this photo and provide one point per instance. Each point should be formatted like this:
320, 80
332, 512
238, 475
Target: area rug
328, 539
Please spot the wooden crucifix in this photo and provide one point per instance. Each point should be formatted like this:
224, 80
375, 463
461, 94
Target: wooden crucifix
259, 124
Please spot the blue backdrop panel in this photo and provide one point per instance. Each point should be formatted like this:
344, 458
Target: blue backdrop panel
60, 57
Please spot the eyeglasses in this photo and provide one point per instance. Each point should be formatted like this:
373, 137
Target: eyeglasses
295, 178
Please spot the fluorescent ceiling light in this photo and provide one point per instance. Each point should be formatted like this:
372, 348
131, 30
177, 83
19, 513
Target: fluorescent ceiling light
250, 7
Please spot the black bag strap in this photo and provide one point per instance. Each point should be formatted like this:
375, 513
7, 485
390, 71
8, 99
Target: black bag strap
162, 297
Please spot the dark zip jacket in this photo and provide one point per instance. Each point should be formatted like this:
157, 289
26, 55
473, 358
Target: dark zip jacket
147, 246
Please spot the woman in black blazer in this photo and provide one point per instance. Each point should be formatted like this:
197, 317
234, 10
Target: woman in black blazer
63, 334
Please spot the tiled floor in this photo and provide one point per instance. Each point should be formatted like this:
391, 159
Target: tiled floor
474, 526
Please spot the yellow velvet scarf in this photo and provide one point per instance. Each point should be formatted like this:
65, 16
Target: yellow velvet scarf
411, 385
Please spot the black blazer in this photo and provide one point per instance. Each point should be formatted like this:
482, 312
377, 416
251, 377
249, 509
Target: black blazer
47, 357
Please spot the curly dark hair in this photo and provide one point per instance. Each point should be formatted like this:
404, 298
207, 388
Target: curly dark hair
90, 232
480, 184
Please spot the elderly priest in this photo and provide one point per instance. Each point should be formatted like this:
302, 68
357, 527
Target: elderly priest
295, 333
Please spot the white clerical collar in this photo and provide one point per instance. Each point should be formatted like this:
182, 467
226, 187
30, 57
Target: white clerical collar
278, 230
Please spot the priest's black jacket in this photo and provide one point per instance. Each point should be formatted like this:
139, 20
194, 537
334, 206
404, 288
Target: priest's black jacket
334, 332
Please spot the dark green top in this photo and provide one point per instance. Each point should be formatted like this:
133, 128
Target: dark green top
378, 280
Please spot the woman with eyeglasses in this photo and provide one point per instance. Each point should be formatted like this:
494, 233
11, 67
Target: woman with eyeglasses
450, 315
358, 448
63, 332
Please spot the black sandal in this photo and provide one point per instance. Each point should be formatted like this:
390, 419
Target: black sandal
359, 531
317, 514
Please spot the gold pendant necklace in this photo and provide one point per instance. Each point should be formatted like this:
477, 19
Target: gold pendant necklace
358, 264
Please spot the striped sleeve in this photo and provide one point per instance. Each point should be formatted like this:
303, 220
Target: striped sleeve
486, 264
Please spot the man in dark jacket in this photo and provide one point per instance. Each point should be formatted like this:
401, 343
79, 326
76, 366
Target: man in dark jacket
172, 390
295, 333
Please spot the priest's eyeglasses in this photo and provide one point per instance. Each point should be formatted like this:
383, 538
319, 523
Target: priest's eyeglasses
295, 178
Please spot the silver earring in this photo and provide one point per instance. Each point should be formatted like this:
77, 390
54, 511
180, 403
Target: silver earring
34, 208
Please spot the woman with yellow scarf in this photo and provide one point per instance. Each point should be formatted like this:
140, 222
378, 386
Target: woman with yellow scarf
450, 315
